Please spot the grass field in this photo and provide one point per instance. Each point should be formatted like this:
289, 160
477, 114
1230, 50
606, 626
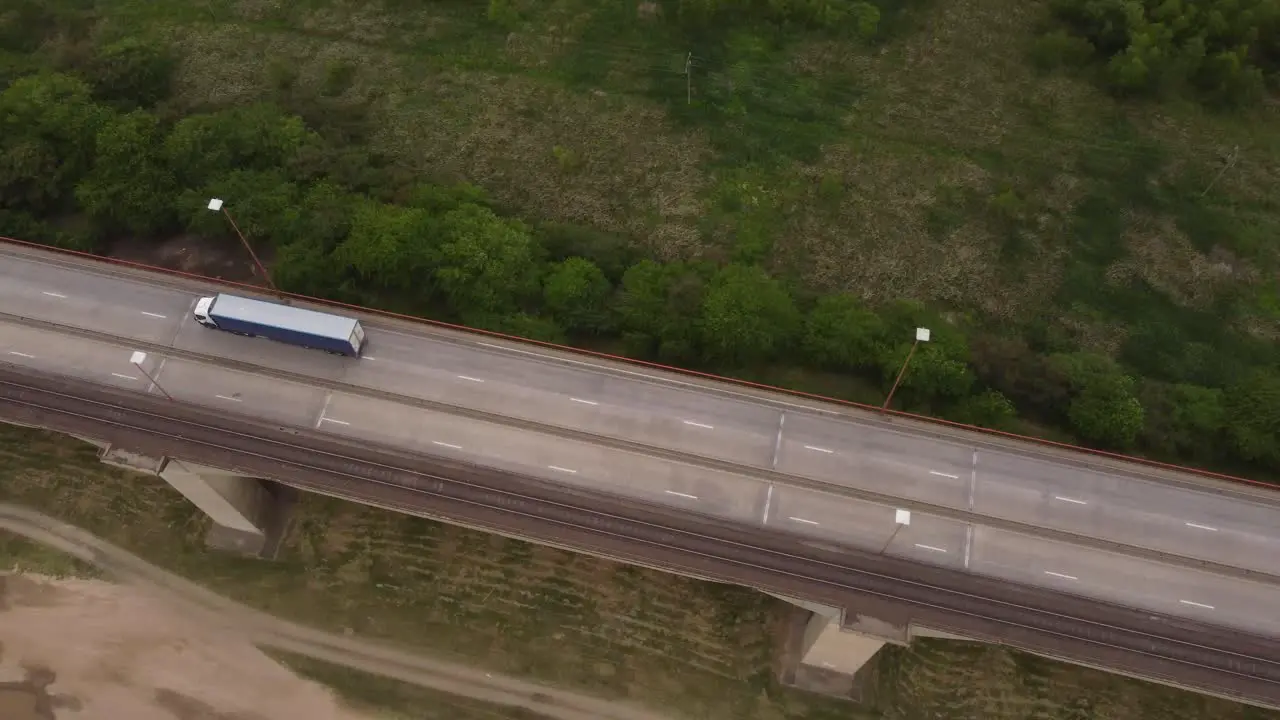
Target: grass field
692, 649
935, 164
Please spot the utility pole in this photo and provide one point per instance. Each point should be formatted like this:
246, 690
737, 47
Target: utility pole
688, 79
1231, 160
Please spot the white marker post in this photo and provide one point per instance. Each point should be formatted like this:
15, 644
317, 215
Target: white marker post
137, 359
901, 519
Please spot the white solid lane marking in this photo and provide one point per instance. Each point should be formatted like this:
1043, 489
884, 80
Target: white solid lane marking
328, 398
968, 544
20, 354
154, 315
226, 397
683, 495
335, 422
1070, 500
803, 520
1196, 604
1202, 527
818, 449
54, 294
753, 399
930, 547
126, 377
768, 499
584, 402
1065, 577
367, 357
698, 424
777, 444
445, 444
468, 377
973, 483
566, 470
945, 475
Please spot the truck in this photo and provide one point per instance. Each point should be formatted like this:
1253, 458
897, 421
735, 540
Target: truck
282, 323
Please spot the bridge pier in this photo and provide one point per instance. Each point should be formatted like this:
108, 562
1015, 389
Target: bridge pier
248, 514
829, 647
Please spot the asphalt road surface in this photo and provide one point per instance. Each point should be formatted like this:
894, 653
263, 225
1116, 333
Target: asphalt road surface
644, 408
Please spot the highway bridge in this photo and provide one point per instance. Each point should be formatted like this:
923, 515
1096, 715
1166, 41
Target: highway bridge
1189, 558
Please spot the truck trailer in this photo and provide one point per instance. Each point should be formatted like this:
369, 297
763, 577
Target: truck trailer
282, 323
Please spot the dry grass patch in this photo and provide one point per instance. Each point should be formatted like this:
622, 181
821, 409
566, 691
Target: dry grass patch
956, 681
1162, 256
879, 242
593, 158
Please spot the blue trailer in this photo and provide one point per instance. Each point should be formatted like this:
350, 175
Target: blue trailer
282, 323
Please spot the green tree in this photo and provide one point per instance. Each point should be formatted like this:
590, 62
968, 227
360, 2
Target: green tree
132, 73
934, 373
257, 137
444, 198
323, 218
520, 324
307, 239
1253, 412
1103, 409
263, 203
48, 124
1029, 379
306, 268
1183, 420
939, 370
129, 188
841, 333
391, 247
577, 293
658, 307
747, 317
1221, 49
989, 409
486, 264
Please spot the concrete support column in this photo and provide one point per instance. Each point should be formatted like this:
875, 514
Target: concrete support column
832, 648
241, 508
828, 646
232, 501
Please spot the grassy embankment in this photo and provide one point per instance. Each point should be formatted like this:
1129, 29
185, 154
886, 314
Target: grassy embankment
693, 649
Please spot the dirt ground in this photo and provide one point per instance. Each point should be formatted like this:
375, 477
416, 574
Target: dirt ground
166, 638
221, 259
74, 649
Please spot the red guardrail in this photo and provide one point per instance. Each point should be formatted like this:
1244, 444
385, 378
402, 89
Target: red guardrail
669, 368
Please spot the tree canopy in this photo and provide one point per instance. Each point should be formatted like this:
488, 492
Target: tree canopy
1221, 50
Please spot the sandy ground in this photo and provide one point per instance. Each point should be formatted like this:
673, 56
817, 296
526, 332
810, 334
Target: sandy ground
178, 651
90, 649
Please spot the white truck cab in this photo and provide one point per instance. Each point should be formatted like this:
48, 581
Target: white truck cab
201, 312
